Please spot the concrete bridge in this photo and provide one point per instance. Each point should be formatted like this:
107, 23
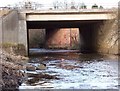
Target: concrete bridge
87, 21
67, 15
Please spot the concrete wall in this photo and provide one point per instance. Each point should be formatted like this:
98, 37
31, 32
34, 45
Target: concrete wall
13, 30
108, 37
37, 38
100, 37
12, 36
67, 38
10, 27
58, 38
13, 33
23, 32
23, 35
87, 36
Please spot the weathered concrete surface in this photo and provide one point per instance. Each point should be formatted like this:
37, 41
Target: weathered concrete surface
37, 38
10, 27
108, 37
11, 36
67, 38
87, 36
23, 35
58, 38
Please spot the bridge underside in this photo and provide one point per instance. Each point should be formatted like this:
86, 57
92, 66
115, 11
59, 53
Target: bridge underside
59, 24
87, 33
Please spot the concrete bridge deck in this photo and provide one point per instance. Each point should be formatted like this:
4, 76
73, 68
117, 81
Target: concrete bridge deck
50, 15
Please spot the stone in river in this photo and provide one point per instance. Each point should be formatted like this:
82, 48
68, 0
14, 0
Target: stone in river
41, 67
30, 68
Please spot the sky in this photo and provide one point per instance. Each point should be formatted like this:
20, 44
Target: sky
89, 3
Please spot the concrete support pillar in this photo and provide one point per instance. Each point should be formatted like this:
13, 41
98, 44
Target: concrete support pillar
23, 32
86, 38
37, 38
23, 35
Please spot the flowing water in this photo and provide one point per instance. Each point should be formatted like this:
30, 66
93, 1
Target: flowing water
73, 71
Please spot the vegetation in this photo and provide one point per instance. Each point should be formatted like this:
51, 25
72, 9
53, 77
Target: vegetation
29, 5
13, 48
83, 6
95, 6
67, 5
101, 7
6, 45
25, 5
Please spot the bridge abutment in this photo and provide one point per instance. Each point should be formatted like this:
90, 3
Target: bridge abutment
23, 36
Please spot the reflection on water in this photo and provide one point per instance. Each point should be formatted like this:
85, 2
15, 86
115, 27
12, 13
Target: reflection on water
74, 71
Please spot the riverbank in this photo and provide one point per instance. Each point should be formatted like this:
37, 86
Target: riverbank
11, 64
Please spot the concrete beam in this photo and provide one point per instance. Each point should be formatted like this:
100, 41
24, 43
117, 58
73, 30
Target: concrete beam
61, 17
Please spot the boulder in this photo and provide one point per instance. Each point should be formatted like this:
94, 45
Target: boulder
41, 67
30, 67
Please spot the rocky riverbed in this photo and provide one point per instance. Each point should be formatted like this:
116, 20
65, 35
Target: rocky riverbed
72, 71
13, 71
11, 64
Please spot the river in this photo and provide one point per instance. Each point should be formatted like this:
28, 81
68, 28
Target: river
73, 70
